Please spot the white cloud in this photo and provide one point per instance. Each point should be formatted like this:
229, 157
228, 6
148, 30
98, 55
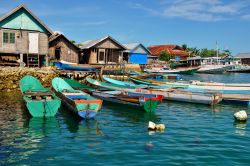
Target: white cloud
198, 10
142, 7
229, 9
246, 17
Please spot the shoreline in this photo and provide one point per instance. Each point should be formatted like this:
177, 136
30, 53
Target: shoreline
10, 76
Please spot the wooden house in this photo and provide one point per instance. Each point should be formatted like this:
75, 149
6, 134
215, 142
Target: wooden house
24, 36
175, 51
60, 48
102, 51
136, 53
244, 57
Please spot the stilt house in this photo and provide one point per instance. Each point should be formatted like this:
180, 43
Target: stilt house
102, 51
24, 36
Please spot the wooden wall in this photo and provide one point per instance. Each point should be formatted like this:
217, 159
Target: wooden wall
68, 52
245, 61
22, 42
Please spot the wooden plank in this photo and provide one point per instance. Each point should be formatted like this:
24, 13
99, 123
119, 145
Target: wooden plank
37, 93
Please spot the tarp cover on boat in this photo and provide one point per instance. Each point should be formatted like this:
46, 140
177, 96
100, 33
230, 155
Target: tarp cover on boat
138, 58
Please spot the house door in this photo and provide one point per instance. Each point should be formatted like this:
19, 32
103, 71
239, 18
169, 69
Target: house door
58, 53
33, 43
101, 56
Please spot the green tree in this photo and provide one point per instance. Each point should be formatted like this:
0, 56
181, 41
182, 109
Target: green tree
184, 46
227, 52
193, 51
164, 56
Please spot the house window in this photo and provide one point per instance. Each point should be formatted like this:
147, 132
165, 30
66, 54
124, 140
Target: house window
5, 37
9, 37
12, 37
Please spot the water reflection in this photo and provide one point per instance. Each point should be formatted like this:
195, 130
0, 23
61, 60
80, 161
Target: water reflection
132, 114
240, 128
74, 124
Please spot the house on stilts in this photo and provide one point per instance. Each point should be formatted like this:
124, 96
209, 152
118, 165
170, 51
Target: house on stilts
23, 36
102, 51
60, 48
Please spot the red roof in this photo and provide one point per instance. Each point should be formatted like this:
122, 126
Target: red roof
171, 49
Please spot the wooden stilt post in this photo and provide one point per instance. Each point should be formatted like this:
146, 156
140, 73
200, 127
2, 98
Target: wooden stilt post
21, 60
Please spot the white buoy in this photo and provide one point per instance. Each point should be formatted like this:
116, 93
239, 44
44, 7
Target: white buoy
160, 127
151, 125
240, 115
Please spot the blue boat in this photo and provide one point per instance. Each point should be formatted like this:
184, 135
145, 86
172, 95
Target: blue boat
64, 66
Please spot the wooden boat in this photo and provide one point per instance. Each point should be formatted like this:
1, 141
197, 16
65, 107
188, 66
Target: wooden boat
40, 101
214, 69
173, 71
64, 66
196, 85
77, 101
147, 102
144, 103
117, 82
168, 94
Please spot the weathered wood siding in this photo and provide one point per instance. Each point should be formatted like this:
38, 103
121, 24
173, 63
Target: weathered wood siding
93, 57
108, 44
22, 42
68, 52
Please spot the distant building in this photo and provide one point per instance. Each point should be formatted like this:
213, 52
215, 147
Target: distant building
60, 48
245, 58
176, 51
22, 33
136, 53
102, 51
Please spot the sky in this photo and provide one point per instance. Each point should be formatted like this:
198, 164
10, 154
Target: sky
197, 23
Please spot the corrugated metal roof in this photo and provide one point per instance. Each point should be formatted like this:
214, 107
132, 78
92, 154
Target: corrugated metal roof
132, 46
90, 43
243, 55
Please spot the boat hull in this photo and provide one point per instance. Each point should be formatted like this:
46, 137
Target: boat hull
82, 104
148, 105
175, 71
39, 101
214, 69
42, 108
85, 109
64, 66
168, 94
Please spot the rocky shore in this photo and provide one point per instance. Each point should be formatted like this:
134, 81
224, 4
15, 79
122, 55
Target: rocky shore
10, 76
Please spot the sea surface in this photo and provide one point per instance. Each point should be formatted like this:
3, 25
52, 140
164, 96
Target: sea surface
194, 135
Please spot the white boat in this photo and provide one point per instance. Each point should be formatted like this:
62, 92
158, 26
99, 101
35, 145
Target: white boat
214, 69
173, 71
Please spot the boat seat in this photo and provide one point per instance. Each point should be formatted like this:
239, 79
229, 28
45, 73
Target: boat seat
75, 97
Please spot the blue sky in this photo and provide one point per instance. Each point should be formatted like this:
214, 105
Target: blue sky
197, 23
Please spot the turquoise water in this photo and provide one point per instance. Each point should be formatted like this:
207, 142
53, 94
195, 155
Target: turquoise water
194, 135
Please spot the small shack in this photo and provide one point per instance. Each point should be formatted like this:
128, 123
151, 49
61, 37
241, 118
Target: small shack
23, 37
60, 48
136, 53
244, 57
102, 51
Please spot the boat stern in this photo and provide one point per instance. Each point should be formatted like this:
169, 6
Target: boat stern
87, 114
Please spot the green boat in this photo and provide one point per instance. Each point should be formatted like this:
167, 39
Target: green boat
40, 101
77, 101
